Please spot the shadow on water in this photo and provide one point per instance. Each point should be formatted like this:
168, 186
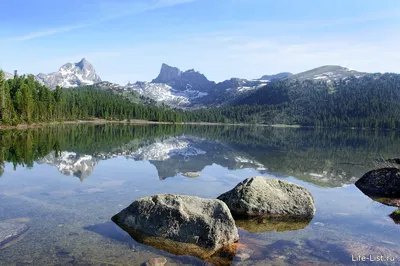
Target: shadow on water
112, 231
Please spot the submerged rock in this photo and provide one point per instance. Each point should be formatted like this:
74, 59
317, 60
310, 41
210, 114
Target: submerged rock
395, 216
278, 224
191, 174
260, 196
182, 225
393, 202
384, 182
156, 262
10, 232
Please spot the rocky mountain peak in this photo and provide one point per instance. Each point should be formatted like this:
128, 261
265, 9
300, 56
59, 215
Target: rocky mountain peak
71, 75
167, 74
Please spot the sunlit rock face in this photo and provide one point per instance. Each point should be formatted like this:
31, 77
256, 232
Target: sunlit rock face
260, 196
71, 163
183, 225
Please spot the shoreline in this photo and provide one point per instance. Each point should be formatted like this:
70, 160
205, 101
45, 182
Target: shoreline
131, 122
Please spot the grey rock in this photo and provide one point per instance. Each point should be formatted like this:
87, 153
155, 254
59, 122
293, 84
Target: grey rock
10, 231
206, 223
260, 196
383, 182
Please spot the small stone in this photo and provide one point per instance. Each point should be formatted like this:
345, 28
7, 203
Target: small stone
156, 262
319, 224
191, 174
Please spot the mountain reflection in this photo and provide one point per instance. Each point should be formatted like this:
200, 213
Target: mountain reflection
323, 157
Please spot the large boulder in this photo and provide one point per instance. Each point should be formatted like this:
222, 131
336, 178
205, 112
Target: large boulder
384, 182
180, 224
260, 196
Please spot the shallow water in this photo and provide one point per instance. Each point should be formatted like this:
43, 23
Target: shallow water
67, 182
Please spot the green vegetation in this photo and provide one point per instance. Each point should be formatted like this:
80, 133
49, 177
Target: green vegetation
372, 101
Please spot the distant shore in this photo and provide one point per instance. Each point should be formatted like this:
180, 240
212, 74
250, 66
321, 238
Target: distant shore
104, 121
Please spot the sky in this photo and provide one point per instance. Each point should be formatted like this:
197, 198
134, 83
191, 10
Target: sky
129, 40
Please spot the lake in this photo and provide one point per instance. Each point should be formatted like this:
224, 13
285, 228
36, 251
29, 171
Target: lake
66, 182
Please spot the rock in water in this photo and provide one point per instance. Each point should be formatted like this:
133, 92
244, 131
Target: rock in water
395, 216
11, 231
383, 182
191, 174
156, 262
180, 224
260, 196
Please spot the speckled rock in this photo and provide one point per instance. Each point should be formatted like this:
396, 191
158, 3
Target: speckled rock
384, 182
260, 196
206, 223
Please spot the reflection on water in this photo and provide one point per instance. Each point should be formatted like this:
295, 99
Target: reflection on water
66, 182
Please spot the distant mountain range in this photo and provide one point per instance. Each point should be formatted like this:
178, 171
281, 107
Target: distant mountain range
185, 89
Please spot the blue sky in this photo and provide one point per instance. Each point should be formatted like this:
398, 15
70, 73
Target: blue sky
128, 40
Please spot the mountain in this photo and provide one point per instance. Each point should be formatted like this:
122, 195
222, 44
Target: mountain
167, 74
191, 89
71, 75
328, 73
228, 91
276, 77
369, 101
182, 81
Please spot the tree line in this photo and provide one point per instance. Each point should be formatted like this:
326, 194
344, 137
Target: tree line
25, 100
372, 101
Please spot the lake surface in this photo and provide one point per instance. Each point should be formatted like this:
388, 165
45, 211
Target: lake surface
66, 182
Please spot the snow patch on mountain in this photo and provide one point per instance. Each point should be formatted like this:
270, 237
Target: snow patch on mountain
161, 92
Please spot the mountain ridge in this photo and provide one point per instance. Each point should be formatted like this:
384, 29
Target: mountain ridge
189, 88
